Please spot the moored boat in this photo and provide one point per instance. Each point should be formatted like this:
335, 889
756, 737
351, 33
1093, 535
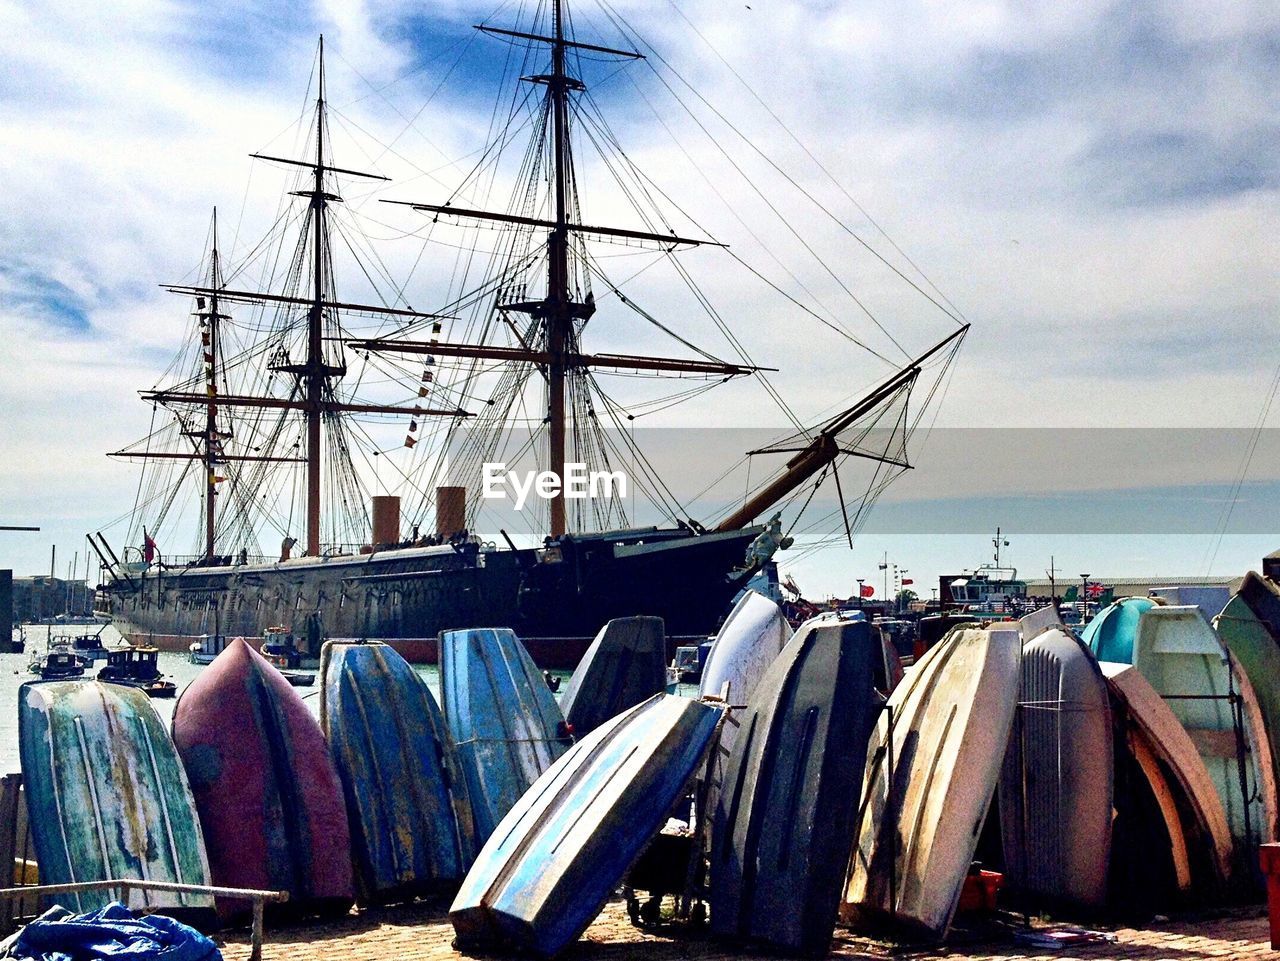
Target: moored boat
504, 720
560, 852
270, 800
207, 648
625, 665
137, 667
106, 793
785, 818
935, 758
57, 664
1056, 787
410, 816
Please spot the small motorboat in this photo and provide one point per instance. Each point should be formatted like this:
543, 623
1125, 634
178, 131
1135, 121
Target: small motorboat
90, 646
137, 667
207, 648
59, 663
280, 648
686, 666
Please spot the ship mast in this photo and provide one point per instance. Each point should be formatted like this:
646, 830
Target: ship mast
558, 311
212, 442
314, 375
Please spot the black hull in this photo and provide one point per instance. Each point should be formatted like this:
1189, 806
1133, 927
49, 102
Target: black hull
568, 591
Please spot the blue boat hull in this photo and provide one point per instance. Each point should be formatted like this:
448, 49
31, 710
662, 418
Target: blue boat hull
503, 719
625, 665
562, 850
785, 818
407, 804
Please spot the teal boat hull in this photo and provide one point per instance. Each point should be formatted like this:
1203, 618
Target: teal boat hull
1111, 634
106, 793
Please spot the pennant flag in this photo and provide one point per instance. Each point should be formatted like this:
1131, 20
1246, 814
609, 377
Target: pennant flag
148, 547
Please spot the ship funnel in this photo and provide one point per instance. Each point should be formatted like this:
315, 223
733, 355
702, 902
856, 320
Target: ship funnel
386, 521
451, 510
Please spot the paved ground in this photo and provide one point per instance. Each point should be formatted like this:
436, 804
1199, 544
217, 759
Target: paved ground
423, 933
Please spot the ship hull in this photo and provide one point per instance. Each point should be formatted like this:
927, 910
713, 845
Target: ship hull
557, 598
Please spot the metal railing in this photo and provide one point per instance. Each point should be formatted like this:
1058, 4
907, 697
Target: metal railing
259, 898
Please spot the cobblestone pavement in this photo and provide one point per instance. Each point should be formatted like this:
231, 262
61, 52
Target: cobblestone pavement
422, 933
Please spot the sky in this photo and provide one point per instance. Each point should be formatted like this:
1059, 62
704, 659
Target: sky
1092, 185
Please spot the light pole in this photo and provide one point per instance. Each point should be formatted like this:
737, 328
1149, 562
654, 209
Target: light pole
860, 580
1084, 603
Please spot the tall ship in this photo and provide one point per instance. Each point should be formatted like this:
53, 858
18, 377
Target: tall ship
271, 427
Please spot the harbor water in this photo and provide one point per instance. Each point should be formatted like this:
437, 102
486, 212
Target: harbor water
177, 667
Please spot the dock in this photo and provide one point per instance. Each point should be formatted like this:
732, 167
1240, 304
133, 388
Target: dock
421, 932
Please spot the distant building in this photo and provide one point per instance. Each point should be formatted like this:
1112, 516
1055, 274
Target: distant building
1130, 586
41, 597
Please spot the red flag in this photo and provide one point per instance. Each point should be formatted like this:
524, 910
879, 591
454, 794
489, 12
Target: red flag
867, 591
148, 547
906, 581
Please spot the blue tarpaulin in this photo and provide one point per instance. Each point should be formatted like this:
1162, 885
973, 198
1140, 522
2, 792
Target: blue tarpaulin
111, 933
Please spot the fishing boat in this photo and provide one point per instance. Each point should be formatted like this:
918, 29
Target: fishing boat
137, 667
407, 802
107, 795
90, 646
502, 717
270, 800
625, 665
60, 662
562, 850
207, 648
1056, 788
786, 816
990, 590
934, 761
292, 390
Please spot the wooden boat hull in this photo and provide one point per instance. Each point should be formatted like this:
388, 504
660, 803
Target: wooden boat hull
1112, 633
502, 717
785, 819
561, 851
1136, 701
1256, 653
1056, 785
918, 832
625, 665
269, 798
1177, 651
407, 803
106, 793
